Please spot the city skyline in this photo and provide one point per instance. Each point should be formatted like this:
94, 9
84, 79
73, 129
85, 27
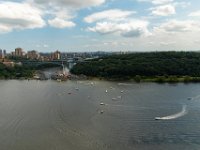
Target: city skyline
100, 25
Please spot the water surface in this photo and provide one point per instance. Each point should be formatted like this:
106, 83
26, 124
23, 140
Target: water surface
49, 115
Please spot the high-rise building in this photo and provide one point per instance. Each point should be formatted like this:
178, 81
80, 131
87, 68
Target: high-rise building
4, 53
1, 54
56, 55
19, 52
12, 53
33, 54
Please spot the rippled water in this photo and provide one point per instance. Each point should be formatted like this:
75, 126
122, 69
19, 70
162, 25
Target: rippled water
48, 115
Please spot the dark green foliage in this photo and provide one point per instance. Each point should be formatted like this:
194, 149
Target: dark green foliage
47, 65
187, 79
15, 72
137, 78
160, 79
162, 64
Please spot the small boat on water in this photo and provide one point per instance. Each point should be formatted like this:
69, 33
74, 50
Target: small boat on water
101, 112
119, 97
158, 118
106, 91
102, 104
189, 98
113, 99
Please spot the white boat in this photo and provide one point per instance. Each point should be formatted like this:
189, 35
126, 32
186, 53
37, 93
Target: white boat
119, 97
102, 104
158, 118
101, 111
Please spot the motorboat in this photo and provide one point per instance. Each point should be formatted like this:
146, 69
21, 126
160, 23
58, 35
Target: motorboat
158, 118
102, 104
101, 111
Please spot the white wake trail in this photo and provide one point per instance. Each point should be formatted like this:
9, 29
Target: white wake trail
174, 116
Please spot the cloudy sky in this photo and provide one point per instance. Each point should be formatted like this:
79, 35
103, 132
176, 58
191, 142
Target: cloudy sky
107, 25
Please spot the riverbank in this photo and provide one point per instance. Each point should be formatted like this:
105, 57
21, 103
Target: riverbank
39, 75
158, 79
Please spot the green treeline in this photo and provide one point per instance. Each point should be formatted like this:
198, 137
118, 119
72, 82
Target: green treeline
24, 71
159, 66
15, 72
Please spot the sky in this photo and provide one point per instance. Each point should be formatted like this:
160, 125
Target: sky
100, 25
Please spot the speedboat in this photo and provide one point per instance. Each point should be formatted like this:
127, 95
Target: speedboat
158, 118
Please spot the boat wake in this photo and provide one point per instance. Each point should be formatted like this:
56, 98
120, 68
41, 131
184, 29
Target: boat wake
195, 98
174, 116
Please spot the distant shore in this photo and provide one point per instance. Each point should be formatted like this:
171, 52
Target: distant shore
158, 67
160, 79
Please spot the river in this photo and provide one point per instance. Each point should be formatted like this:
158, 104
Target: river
50, 115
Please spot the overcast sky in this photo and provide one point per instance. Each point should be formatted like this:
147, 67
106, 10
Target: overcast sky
107, 25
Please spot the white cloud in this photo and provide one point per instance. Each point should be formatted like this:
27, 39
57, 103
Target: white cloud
112, 15
164, 10
71, 3
45, 45
61, 17
19, 16
60, 23
157, 2
119, 22
63, 11
179, 26
134, 28
42, 45
194, 14
182, 4
167, 43
197, 41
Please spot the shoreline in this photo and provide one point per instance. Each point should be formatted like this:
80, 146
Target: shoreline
159, 80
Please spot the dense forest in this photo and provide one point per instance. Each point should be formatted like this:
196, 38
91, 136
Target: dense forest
151, 65
24, 71
15, 72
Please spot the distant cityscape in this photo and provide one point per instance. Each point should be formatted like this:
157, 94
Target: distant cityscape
56, 55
